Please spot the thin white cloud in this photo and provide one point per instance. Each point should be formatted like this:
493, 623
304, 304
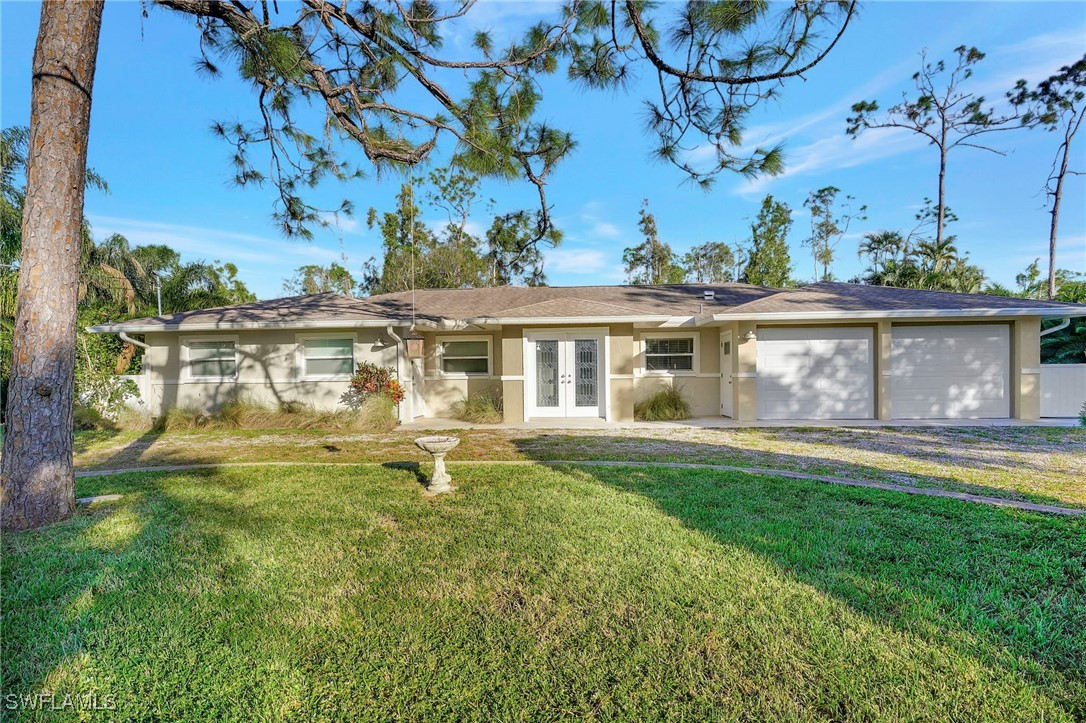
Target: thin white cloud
606, 230
576, 261
471, 227
830, 149
835, 152
1068, 42
209, 243
342, 222
593, 224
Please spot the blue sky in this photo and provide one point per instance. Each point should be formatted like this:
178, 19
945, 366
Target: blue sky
169, 176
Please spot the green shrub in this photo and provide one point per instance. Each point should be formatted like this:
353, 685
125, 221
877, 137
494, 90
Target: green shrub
1082, 416
86, 418
480, 408
369, 379
666, 405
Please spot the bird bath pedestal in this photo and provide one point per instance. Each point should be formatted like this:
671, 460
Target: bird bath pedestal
438, 447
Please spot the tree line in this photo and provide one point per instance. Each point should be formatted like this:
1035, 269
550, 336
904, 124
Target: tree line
943, 109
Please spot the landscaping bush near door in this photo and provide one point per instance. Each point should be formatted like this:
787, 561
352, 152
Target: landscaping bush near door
480, 408
666, 405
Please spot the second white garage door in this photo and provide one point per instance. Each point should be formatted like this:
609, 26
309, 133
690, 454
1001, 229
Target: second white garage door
950, 372
815, 373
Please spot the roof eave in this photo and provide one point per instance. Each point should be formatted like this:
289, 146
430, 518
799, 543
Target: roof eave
530, 320
242, 325
899, 313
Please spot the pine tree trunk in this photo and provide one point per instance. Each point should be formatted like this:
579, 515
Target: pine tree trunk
36, 474
941, 210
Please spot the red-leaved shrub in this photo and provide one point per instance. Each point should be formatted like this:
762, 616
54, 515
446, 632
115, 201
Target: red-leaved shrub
370, 378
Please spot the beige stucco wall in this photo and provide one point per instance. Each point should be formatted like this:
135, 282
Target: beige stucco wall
442, 391
268, 372
1026, 368
701, 386
512, 351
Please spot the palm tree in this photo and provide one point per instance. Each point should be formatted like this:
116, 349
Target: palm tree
937, 255
881, 246
111, 274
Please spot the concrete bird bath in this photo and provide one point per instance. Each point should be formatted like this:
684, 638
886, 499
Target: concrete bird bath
438, 447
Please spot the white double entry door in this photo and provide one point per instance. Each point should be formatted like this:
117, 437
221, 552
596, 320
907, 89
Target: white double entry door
564, 374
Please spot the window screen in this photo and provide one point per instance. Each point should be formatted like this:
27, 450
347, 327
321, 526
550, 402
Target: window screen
465, 357
212, 359
670, 354
329, 357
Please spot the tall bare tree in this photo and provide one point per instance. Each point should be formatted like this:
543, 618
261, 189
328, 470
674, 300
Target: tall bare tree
829, 224
942, 111
360, 61
36, 470
1057, 104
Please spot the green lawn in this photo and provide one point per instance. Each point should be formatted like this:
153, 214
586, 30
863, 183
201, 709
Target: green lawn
290, 593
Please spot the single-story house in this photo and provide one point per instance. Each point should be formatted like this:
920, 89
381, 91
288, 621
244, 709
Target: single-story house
824, 351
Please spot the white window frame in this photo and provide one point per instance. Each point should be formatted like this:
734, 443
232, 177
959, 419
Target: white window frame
186, 366
299, 357
441, 341
695, 362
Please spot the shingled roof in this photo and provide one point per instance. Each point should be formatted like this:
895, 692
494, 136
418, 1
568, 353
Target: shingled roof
566, 301
843, 299
517, 304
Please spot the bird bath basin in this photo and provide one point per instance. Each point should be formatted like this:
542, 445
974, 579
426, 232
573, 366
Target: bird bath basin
438, 447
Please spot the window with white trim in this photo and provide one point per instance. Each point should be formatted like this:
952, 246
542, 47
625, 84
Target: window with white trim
669, 354
212, 359
465, 356
324, 358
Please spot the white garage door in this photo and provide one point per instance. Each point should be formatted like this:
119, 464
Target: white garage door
950, 372
815, 373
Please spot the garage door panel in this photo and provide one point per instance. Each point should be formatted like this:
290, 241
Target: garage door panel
950, 372
815, 373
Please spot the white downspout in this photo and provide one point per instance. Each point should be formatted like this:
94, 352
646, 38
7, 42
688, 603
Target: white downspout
398, 343
145, 378
1062, 325
130, 340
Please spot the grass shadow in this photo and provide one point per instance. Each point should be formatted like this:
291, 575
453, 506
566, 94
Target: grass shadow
1005, 586
414, 468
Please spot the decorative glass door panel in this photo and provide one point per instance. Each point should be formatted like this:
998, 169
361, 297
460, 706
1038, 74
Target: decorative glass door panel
547, 374
586, 373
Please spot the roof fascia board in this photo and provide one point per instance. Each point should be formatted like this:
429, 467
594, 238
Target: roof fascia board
528, 320
897, 313
227, 326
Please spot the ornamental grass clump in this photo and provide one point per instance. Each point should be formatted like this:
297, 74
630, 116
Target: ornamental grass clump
480, 408
667, 405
